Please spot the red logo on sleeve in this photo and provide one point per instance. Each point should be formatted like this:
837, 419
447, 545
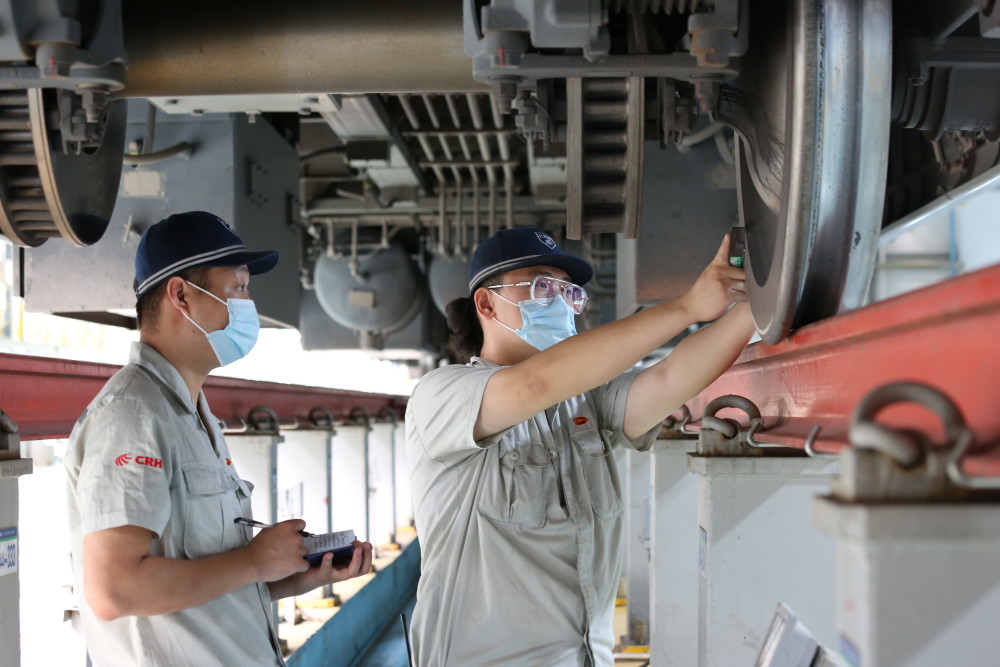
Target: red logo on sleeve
579, 421
148, 461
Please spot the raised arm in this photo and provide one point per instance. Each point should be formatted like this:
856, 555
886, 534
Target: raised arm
594, 357
693, 365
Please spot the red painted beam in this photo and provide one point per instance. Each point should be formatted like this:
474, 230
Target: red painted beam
944, 335
46, 396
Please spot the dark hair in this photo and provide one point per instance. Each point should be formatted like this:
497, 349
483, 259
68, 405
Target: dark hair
463, 323
147, 307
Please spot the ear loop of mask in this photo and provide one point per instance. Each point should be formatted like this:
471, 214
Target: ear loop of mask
497, 320
208, 293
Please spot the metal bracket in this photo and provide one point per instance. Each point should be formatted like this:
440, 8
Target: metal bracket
719, 35
887, 464
726, 437
12, 465
322, 419
261, 420
673, 428
364, 416
10, 441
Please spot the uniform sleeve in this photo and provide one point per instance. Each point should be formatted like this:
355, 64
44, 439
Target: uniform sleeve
124, 473
443, 411
611, 399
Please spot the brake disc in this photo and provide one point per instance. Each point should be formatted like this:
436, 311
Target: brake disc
46, 192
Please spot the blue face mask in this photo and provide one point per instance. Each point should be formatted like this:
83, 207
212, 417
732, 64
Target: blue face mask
240, 335
543, 326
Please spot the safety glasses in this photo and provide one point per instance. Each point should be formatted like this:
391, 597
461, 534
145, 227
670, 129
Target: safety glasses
545, 288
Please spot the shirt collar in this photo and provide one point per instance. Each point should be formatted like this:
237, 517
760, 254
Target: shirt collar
479, 361
164, 371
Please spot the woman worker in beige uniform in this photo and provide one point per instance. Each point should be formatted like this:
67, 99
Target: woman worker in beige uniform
516, 494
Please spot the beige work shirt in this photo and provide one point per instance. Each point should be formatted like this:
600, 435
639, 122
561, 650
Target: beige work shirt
521, 534
143, 455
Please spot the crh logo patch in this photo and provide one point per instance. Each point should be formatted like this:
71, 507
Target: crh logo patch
147, 461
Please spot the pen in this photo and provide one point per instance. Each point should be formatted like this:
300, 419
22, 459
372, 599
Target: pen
260, 524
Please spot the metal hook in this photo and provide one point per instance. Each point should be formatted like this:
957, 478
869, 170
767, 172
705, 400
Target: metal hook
230, 430
954, 465
754, 425
757, 424
811, 449
670, 422
684, 423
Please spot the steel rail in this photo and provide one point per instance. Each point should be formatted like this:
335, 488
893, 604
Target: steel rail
46, 396
942, 335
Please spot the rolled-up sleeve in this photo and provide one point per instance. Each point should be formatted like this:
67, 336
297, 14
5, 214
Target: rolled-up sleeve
444, 408
123, 477
611, 400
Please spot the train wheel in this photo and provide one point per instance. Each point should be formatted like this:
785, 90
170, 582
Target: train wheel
811, 112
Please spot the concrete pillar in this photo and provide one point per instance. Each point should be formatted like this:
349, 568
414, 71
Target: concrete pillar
303, 484
918, 584
11, 468
404, 496
673, 640
758, 548
636, 485
349, 492
381, 483
256, 459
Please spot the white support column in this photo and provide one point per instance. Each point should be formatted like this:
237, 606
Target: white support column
10, 584
302, 478
404, 495
673, 637
349, 493
917, 584
256, 460
637, 481
380, 481
758, 548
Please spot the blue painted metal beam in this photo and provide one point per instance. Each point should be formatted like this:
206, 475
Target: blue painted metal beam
353, 630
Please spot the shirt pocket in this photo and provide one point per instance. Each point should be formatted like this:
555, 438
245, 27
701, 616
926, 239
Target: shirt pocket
515, 485
600, 472
210, 511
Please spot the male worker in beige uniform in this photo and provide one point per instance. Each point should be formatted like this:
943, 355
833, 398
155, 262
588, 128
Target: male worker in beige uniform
167, 577
516, 495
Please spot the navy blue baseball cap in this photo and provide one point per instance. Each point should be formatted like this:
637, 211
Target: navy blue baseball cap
519, 247
196, 238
